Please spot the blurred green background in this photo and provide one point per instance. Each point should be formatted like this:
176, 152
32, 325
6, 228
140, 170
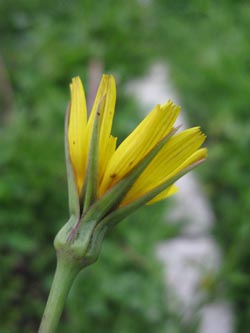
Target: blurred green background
43, 45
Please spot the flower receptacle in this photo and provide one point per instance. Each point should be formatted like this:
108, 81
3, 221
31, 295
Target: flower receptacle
80, 243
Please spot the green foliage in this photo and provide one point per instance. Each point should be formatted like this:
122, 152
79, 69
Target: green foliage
123, 291
45, 45
208, 49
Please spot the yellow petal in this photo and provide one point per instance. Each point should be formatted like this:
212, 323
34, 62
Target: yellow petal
147, 134
199, 155
170, 160
171, 190
107, 143
104, 104
105, 156
77, 131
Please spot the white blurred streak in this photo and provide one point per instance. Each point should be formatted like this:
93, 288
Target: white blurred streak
194, 255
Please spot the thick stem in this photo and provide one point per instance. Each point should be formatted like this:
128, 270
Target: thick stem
66, 271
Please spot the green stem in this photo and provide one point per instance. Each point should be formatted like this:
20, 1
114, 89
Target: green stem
66, 272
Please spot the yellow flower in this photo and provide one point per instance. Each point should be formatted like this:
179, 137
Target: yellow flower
99, 165
106, 183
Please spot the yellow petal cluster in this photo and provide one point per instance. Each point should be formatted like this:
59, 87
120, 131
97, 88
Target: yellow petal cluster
80, 129
179, 152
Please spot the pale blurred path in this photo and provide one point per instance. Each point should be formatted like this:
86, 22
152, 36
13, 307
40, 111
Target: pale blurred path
189, 258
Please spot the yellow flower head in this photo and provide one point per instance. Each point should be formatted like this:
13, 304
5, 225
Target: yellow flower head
106, 183
142, 169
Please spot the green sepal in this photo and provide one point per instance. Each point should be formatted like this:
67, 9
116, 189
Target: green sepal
84, 248
74, 204
90, 188
119, 214
111, 199
95, 243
